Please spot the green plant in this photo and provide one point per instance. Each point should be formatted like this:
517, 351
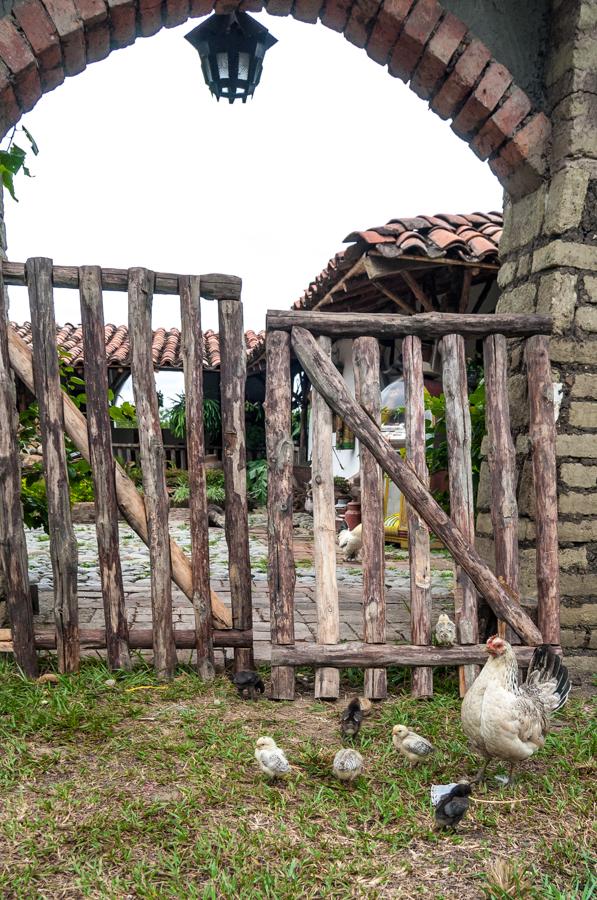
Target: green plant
215, 486
255, 427
12, 160
341, 484
257, 481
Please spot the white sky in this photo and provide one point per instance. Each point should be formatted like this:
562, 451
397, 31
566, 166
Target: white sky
139, 165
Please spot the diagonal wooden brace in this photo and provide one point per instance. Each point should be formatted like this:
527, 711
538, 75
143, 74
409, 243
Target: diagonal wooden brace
325, 378
130, 500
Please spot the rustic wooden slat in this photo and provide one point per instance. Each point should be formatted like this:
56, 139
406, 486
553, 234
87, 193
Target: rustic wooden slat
102, 466
151, 452
139, 638
425, 325
365, 354
13, 545
359, 654
233, 373
419, 554
417, 290
63, 544
192, 361
280, 457
391, 295
542, 434
129, 500
213, 286
327, 680
501, 459
324, 376
460, 471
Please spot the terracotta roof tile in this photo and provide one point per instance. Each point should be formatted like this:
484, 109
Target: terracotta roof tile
165, 349
473, 238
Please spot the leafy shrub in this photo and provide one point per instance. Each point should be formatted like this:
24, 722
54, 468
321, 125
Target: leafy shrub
257, 481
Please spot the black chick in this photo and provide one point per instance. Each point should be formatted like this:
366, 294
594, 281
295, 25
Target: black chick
351, 718
248, 682
452, 807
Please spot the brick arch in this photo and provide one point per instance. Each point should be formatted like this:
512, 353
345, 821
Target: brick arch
419, 41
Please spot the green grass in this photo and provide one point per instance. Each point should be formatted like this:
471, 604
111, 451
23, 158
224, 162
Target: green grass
113, 793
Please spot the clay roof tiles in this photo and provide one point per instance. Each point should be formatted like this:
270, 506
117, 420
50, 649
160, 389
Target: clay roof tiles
165, 349
473, 238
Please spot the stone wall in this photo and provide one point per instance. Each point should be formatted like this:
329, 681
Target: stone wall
549, 254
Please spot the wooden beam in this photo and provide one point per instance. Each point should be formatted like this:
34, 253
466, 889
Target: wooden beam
139, 639
365, 355
410, 310
13, 544
102, 466
378, 266
280, 459
501, 459
542, 434
359, 654
460, 471
153, 468
417, 290
424, 325
192, 361
233, 378
328, 382
213, 286
63, 544
467, 279
419, 554
327, 680
130, 500
328, 298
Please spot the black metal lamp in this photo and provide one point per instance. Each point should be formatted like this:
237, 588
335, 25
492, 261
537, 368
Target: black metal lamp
231, 48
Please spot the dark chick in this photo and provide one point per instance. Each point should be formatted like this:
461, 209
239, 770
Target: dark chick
451, 808
351, 718
248, 682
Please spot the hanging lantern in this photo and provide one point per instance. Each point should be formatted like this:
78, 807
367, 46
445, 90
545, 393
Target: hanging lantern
231, 48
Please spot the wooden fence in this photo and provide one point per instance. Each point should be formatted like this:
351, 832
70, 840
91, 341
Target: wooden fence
309, 334
147, 515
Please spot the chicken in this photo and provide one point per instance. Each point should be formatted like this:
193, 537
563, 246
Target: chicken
247, 681
508, 722
366, 705
351, 541
348, 764
351, 718
410, 744
452, 807
445, 631
271, 759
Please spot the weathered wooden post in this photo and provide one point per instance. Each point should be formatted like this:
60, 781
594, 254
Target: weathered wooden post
233, 375
367, 391
192, 361
542, 434
63, 544
13, 546
151, 451
419, 555
462, 511
327, 680
280, 453
501, 458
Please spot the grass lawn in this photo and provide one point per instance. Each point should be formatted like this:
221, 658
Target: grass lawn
112, 792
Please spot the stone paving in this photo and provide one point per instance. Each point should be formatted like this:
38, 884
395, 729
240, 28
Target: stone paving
136, 572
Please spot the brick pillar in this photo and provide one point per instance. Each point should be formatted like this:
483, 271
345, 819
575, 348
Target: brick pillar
549, 265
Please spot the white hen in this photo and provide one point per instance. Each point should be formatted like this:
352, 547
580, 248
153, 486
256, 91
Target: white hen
505, 720
271, 759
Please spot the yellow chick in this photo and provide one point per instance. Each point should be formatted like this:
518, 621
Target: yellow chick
271, 759
414, 747
348, 764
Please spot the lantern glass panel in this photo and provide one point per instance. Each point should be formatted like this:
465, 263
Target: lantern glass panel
243, 66
222, 60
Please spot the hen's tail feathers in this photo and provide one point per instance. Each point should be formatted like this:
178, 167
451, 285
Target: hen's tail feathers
547, 666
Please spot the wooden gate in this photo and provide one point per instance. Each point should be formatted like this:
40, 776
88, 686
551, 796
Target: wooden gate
147, 515
310, 334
